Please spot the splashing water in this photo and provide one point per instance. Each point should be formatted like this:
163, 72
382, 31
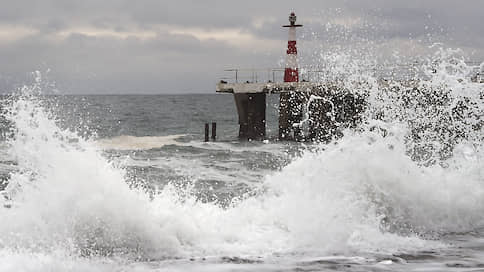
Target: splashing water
443, 110
66, 194
394, 186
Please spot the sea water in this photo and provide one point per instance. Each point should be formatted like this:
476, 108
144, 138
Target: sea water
125, 183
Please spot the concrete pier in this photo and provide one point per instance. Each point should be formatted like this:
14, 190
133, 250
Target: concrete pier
330, 110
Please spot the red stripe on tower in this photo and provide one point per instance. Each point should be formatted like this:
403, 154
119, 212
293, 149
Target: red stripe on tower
291, 73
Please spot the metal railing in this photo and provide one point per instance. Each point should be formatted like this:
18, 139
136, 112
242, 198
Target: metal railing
319, 73
254, 75
268, 75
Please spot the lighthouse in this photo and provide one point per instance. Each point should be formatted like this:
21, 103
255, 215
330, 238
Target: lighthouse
290, 103
291, 73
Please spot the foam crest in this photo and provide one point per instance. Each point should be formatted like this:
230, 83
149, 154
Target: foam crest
127, 142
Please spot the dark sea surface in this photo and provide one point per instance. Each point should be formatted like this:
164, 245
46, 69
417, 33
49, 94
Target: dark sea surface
172, 128
126, 183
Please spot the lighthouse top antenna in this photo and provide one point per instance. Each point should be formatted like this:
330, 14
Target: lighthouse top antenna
292, 21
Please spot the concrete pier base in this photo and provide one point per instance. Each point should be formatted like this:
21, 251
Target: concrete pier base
251, 108
290, 114
284, 129
331, 109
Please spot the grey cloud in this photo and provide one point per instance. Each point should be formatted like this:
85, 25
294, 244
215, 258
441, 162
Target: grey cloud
83, 64
182, 63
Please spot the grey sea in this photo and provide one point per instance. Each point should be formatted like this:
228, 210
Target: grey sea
126, 183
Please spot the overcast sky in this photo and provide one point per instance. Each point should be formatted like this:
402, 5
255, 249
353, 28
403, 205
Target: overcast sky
183, 46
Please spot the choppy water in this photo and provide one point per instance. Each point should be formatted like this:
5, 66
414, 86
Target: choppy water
125, 183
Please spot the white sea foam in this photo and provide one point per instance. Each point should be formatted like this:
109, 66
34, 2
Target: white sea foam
128, 142
361, 194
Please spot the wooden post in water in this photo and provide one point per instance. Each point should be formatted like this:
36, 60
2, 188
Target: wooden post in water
206, 132
214, 131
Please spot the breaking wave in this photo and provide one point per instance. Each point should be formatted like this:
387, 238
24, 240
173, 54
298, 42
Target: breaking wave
390, 186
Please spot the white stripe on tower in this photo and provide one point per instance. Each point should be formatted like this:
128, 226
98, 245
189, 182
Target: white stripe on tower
292, 34
291, 61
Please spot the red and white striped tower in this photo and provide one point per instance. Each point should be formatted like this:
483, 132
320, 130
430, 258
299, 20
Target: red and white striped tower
289, 103
291, 73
